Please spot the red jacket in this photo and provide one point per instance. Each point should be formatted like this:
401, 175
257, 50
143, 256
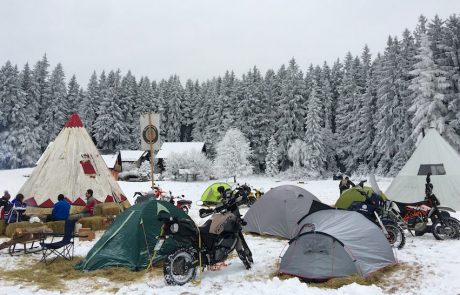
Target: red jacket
90, 206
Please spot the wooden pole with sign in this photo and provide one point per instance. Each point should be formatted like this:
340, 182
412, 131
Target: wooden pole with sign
152, 163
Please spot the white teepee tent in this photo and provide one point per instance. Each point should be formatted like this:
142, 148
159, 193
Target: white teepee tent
435, 155
70, 166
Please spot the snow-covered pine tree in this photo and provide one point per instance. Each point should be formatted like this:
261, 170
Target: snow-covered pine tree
73, 95
452, 47
290, 123
173, 124
200, 113
56, 114
40, 89
345, 116
29, 128
407, 61
271, 160
326, 97
232, 155
428, 85
315, 156
90, 104
128, 100
186, 107
108, 129
251, 119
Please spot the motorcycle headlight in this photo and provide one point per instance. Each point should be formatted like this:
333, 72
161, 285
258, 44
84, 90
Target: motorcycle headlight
174, 228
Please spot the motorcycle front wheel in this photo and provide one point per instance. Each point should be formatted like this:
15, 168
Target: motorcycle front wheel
177, 267
396, 236
448, 228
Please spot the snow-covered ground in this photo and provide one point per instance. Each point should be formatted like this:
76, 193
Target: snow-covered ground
433, 266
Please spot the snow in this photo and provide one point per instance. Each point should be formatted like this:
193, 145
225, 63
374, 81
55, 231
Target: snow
431, 265
110, 160
178, 147
131, 155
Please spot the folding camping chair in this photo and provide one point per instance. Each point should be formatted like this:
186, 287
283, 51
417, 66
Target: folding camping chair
63, 248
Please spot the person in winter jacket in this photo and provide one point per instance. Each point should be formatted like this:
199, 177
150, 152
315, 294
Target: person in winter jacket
60, 211
89, 208
345, 184
5, 204
18, 208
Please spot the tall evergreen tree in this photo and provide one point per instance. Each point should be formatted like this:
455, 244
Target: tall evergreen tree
173, 124
56, 114
428, 84
271, 159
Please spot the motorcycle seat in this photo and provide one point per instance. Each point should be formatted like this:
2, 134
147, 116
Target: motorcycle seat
204, 229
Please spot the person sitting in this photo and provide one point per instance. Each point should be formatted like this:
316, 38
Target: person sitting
5, 204
18, 208
89, 208
345, 184
60, 211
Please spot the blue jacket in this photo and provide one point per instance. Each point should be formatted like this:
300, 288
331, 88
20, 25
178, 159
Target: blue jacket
61, 210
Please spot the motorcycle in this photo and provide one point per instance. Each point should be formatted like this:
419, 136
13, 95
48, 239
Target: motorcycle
144, 196
254, 197
208, 244
373, 209
180, 203
416, 216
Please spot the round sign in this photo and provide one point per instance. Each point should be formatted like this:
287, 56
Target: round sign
150, 137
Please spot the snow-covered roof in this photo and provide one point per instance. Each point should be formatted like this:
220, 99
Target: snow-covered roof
110, 160
178, 147
131, 155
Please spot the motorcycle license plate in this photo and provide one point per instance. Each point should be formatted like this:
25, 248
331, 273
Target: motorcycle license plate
159, 244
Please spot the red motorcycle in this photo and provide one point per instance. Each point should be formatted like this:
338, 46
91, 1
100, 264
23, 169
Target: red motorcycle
415, 216
180, 203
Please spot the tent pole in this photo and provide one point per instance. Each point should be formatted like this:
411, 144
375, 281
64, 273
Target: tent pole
152, 164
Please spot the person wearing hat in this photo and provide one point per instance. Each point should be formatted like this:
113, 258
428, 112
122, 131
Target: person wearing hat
345, 184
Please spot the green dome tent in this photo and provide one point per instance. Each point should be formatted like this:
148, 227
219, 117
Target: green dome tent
353, 194
131, 237
211, 195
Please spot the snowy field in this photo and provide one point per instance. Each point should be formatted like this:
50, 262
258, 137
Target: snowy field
432, 266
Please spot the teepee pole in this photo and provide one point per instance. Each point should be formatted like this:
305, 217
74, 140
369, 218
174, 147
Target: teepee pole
152, 163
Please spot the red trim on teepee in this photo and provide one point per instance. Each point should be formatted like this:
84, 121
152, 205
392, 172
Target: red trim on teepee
79, 202
108, 199
123, 198
88, 168
74, 121
31, 202
68, 200
47, 204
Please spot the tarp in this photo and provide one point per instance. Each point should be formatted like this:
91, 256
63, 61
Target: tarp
131, 237
336, 243
434, 154
211, 195
355, 194
277, 212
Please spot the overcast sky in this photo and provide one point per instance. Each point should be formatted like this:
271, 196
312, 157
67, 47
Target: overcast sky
199, 39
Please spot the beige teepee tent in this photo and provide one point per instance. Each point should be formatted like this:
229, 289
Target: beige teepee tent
70, 166
435, 155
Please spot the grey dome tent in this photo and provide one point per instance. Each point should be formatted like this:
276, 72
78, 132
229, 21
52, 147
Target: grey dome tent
336, 243
278, 210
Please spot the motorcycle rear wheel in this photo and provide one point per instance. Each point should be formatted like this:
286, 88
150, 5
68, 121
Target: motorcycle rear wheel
177, 269
448, 229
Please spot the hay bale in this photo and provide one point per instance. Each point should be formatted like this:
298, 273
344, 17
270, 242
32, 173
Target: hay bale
93, 222
2, 227
11, 228
56, 226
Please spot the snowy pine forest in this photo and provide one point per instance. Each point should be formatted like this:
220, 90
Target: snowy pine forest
361, 113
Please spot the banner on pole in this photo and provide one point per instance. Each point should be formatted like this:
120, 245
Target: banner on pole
150, 132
